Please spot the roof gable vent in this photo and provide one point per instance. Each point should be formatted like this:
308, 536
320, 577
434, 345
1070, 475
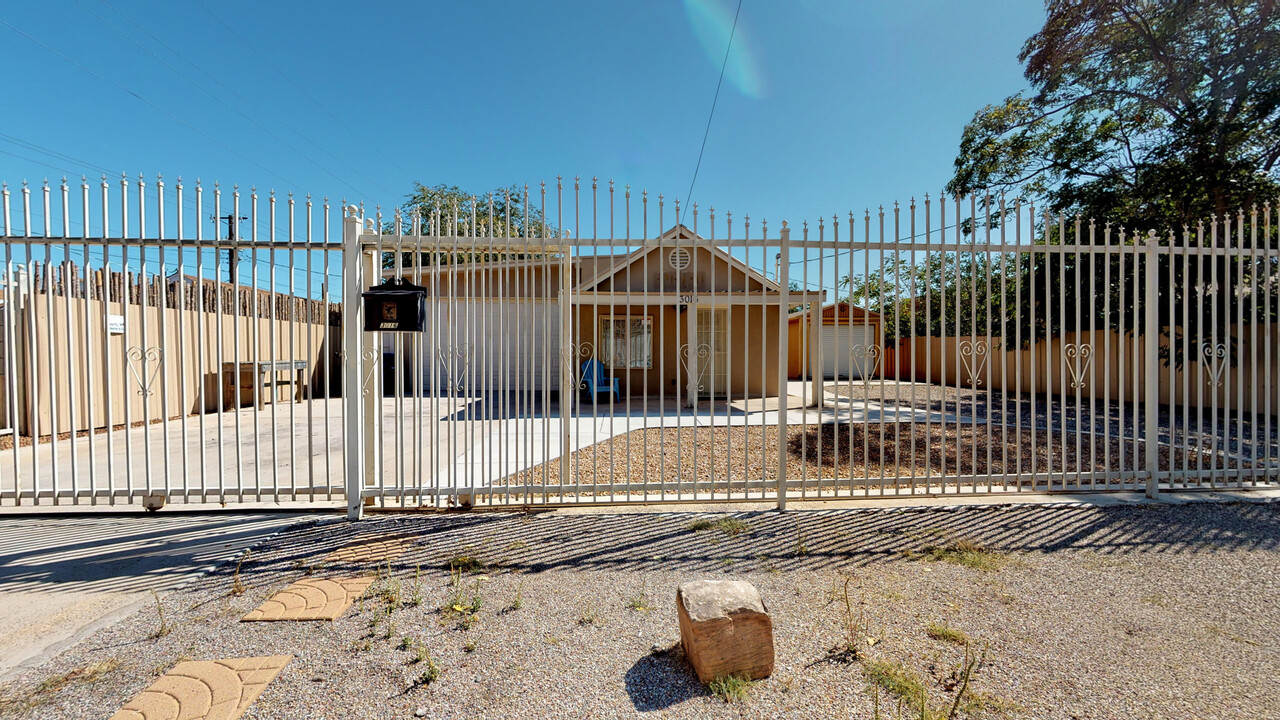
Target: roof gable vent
679, 258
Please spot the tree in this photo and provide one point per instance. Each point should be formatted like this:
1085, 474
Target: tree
1154, 114
447, 210
1142, 116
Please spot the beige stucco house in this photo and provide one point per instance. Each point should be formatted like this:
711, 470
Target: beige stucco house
675, 319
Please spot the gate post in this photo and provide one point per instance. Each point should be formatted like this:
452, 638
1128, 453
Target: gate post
352, 365
1151, 366
784, 301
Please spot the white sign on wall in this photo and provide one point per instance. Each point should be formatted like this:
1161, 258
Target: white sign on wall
115, 324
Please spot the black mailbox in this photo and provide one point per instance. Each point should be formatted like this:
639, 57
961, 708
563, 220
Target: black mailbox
396, 305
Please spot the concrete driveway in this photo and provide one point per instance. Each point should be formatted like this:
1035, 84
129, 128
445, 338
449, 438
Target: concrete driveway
64, 576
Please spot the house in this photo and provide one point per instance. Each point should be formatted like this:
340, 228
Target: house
840, 342
675, 319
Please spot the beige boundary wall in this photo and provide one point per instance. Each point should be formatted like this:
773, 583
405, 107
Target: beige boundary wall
1117, 366
186, 379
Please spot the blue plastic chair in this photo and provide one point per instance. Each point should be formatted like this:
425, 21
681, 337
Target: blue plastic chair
597, 382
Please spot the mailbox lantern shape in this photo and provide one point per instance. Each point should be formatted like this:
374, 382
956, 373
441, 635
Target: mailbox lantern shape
396, 305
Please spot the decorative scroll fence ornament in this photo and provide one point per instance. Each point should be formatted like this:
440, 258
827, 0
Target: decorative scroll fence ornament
1079, 355
1215, 357
700, 353
869, 353
569, 358
453, 357
138, 359
371, 358
974, 355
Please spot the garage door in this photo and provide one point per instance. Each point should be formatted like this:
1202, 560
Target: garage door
837, 341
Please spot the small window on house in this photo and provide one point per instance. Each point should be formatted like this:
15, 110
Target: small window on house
626, 342
679, 258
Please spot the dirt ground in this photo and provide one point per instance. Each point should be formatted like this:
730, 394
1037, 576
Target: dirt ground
1022, 611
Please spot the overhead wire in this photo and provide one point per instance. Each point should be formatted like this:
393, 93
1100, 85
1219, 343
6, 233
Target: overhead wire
714, 100
237, 95
217, 99
146, 101
323, 108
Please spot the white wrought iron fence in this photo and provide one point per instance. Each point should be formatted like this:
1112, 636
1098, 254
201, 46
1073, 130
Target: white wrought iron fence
956, 346
640, 354
153, 358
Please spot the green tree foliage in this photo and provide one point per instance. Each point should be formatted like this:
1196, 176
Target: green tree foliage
1142, 116
1154, 114
449, 211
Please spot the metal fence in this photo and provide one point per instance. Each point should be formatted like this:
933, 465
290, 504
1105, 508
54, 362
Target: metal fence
587, 344
957, 346
155, 355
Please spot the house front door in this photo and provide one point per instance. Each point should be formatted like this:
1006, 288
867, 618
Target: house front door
713, 352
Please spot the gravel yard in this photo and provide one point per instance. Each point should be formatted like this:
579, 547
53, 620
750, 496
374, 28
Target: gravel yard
1098, 612
1226, 434
729, 457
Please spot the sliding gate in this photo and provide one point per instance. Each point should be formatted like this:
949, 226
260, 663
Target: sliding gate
170, 344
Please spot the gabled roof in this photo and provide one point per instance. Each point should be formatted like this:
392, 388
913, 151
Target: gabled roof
677, 233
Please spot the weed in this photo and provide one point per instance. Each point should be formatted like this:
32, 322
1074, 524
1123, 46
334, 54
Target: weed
420, 654
88, 674
416, 598
459, 604
640, 602
940, 631
552, 639
464, 563
589, 616
471, 646
164, 628
730, 526
897, 680
802, 548
406, 643
967, 553
731, 688
856, 631
237, 587
517, 545
518, 601
972, 662
429, 675
362, 645
726, 562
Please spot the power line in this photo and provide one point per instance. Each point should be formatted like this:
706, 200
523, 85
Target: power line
323, 108
711, 114
215, 98
237, 95
137, 95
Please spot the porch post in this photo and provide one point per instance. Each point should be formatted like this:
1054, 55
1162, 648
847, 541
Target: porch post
784, 301
352, 365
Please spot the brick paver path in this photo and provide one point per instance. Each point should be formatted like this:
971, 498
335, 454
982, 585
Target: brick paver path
209, 689
311, 599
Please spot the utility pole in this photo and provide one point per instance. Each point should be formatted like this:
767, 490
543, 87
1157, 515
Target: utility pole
233, 255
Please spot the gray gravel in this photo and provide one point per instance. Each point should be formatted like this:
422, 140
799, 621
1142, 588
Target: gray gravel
1099, 612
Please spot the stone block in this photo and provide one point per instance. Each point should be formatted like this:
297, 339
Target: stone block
725, 629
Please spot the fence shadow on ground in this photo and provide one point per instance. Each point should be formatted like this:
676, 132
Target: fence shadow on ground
771, 541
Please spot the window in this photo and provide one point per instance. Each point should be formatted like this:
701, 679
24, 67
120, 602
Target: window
626, 342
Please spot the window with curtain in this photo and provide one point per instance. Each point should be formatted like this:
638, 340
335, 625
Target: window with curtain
626, 342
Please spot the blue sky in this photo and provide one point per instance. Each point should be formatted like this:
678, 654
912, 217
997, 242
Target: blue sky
827, 106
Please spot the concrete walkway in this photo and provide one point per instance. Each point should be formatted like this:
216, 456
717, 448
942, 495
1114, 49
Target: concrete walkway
62, 577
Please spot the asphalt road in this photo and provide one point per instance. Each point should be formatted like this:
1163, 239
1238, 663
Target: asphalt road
64, 576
